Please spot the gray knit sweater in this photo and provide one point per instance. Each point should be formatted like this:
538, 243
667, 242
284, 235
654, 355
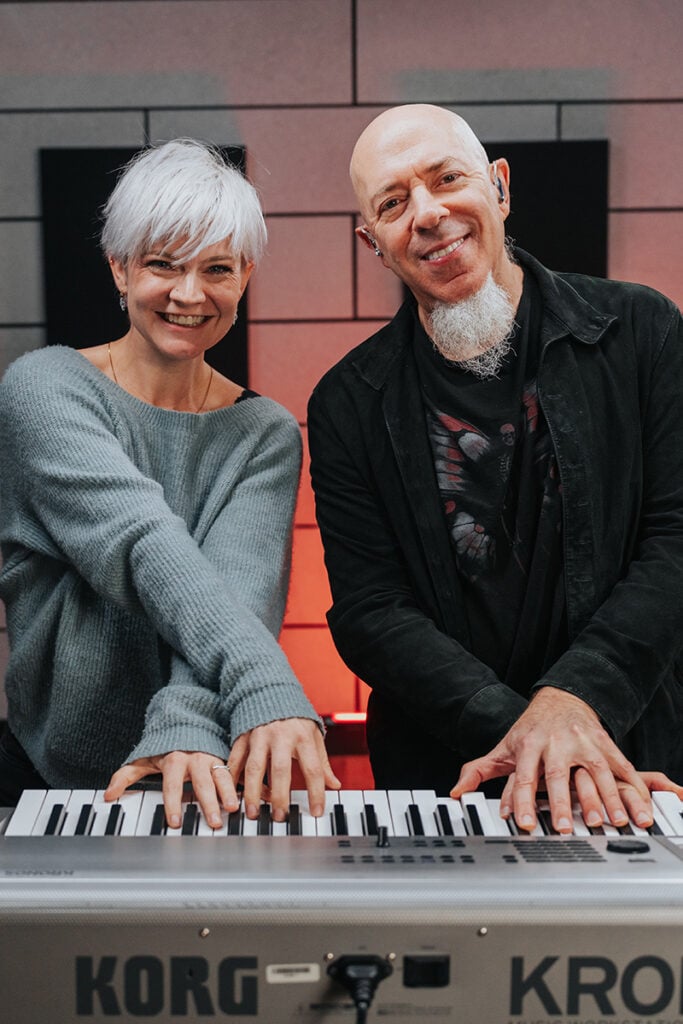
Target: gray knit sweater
145, 569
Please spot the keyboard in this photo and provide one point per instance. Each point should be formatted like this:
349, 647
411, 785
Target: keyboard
101, 917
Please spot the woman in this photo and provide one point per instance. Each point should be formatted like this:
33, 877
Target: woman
145, 522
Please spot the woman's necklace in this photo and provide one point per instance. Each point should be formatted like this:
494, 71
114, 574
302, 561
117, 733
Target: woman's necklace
116, 380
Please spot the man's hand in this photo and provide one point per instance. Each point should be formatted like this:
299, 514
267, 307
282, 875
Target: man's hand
213, 786
270, 749
557, 733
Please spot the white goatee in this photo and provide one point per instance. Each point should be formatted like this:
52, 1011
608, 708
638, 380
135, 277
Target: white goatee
476, 332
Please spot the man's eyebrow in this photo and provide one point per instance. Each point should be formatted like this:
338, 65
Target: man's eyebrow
432, 168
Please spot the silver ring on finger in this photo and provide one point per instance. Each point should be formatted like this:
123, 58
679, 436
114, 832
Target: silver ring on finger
215, 767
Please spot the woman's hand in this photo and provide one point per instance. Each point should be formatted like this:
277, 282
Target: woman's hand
269, 750
213, 786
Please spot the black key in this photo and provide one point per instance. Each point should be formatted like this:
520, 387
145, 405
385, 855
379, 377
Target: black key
264, 824
443, 820
340, 826
370, 817
415, 826
625, 830
114, 821
596, 830
472, 814
158, 821
55, 821
294, 820
190, 820
655, 830
85, 820
546, 822
235, 823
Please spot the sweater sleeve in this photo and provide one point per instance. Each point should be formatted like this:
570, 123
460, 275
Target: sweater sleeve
85, 501
248, 541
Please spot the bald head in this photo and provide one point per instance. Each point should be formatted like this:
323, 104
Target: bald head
400, 129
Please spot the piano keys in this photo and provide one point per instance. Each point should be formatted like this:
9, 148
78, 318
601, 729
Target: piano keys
347, 813
101, 917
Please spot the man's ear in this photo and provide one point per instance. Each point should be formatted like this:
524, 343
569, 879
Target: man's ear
367, 237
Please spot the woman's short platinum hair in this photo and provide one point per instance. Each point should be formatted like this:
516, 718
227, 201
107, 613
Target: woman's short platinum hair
185, 196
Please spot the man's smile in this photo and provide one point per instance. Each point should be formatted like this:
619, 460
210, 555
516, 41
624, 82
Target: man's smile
438, 254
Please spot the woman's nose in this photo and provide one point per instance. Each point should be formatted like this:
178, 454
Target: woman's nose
187, 288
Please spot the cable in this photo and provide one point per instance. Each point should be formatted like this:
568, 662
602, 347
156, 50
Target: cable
360, 974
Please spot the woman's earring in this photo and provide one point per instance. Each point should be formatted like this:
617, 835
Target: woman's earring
123, 301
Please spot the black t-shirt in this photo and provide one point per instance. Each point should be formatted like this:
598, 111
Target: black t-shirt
500, 490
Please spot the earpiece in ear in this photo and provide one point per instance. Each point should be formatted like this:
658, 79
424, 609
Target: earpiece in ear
372, 241
499, 183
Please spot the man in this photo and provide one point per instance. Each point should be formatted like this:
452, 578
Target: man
499, 487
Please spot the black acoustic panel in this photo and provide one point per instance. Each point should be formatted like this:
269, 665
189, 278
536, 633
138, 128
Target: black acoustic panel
559, 201
81, 301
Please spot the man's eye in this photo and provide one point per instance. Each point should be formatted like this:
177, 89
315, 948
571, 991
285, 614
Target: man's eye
389, 205
450, 178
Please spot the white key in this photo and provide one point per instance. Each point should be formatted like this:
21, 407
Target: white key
204, 829
52, 798
492, 826
580, 826
150, 799
425, 801
25, 813
378, 799
669, 805
250, 825
455, 814
300, 797
77, 801
494, 808
102, 811
323, 824
398, 804
279, 828
131, 802
352, 800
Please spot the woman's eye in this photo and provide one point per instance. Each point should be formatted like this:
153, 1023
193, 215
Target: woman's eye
220, 268
159, 264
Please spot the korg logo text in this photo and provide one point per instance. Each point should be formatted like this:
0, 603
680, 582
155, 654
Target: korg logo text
587, 983
145, 986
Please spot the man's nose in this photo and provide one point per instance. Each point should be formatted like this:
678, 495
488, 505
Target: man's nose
427, 209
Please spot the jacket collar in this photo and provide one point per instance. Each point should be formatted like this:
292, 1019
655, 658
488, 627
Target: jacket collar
566, 314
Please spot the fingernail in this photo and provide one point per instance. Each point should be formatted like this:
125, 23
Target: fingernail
593, 819
526, 821
643, 819
252, 811
505, 811
215, 821
620, 818
564, 825
174, 821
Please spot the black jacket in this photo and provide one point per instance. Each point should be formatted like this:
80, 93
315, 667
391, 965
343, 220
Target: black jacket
610, 384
